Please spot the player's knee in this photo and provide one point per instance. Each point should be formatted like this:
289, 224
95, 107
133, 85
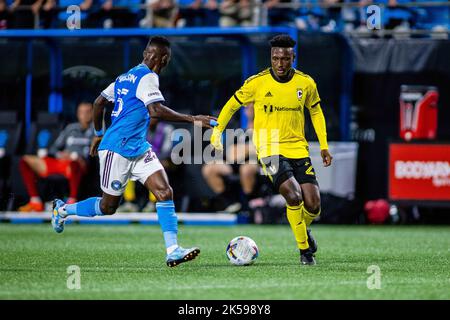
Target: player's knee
293, 198
107, 209
163, 194
313, 205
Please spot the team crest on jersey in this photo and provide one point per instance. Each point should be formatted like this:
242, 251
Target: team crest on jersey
299, 94
116, 185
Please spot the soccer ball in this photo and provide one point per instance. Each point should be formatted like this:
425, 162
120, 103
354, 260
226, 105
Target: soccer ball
242, 251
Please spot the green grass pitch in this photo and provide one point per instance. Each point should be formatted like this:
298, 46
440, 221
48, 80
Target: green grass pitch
127, 262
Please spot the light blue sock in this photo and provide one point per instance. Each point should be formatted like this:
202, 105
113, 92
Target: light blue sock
86, 208
168, 221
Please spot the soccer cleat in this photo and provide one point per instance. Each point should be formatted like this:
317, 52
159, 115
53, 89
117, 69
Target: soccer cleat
57, 220
180, 255
32, 207
311, 241
307, 257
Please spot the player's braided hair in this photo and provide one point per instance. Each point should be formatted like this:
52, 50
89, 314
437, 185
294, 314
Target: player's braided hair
159, 41
282, 41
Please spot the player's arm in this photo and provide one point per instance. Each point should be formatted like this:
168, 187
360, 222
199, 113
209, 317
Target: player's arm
148, 92
243, 96
318, 121
161, 112
100, 103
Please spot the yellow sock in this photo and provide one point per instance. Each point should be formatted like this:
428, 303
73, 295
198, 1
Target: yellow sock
308, 216
129, 195
298, 226
151, 197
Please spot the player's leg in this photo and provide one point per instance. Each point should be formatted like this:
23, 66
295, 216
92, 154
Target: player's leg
311, 198
305, 174
91, 207
30, 168
281, 173
151, 173
158, 184
291, 192
114, 175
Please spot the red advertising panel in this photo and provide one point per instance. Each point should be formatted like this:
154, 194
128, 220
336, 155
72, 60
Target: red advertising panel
419, 172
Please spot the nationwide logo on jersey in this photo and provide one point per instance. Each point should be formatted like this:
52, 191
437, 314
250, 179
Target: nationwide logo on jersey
269, 95
299, 94
268, 108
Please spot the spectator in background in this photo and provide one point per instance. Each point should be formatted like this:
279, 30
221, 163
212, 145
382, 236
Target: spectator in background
236, 13
313, 17
190, 11
160, 14
398, 17
434, 18
394, 16
198, 13
5, 17
47, 10
217, 174
23, 12
118, 13
211, 13
309, 16
277, 16
70, 149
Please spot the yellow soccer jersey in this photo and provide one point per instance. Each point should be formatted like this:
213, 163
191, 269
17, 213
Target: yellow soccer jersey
279, 124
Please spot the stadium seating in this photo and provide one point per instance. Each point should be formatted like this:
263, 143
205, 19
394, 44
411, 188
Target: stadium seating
10, 133
43, 132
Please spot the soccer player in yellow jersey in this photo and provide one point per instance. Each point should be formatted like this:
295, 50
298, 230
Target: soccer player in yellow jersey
280, 95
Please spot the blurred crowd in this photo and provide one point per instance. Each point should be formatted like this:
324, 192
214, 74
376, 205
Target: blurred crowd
311, 15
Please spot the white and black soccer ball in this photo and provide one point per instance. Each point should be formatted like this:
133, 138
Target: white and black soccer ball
242, 251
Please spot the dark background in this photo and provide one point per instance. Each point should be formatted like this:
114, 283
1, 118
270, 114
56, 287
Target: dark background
205, 72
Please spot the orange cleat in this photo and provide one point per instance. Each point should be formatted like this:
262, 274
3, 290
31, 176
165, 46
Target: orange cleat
32, 207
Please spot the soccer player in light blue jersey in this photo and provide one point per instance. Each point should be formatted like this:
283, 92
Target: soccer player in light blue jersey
124, 152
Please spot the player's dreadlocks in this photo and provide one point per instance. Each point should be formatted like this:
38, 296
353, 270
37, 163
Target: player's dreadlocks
159, 41
282, 41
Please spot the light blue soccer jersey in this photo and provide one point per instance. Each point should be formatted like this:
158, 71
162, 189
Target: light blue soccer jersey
131, 93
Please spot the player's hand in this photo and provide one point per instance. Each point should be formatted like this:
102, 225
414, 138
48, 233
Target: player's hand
94, 146
205, 121
326, 157
216, 139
